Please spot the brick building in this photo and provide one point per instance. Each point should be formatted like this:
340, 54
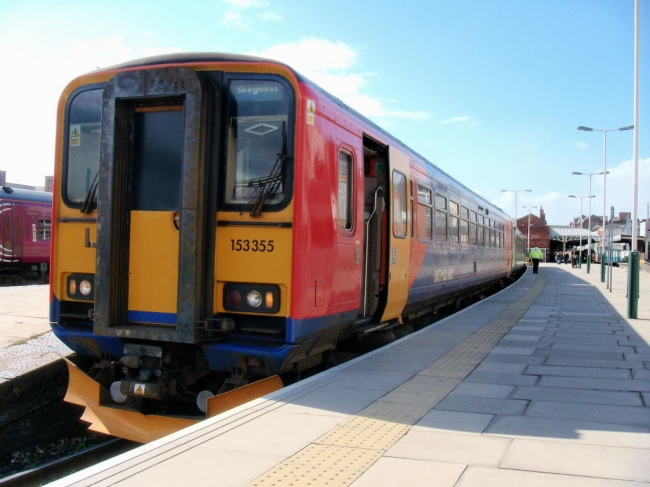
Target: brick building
536, 232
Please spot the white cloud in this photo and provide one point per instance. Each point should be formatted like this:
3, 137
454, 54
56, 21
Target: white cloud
243, 4
560, 209
270, 16
581, 146
331, 65
235, 17
463, 120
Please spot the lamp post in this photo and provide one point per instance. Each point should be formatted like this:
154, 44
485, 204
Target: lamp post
581, 198
604, 131
590, 174
515, 191
647, 231
529, 208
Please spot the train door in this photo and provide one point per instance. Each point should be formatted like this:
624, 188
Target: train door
399, 238
152, 207
387, 243
11, 248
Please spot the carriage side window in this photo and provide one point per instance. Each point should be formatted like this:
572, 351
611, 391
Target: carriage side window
464, 225
424, 213
400, 205
473, 236
345, 190
486, 233
492, 234
440, 224
499, 239
454, 224
84, 118
480, 231
42, 231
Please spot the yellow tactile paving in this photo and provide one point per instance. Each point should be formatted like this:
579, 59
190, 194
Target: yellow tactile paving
348, 450
366, 433
320, 465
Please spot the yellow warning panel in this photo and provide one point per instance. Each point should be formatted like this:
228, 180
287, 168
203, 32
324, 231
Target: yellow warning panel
320, 466
366, 433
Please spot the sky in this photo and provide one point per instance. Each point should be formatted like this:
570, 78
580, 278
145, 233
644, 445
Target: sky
490, 91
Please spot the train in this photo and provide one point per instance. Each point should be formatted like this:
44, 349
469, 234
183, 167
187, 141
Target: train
221, 222
25, 231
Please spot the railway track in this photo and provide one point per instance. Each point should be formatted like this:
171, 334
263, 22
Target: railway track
69, 464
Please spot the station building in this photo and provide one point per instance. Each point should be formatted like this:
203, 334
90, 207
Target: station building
563, 239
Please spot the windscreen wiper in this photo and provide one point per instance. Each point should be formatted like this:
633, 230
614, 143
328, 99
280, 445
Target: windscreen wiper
91, 195
268, 186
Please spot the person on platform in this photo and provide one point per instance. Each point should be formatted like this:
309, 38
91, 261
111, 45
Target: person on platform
536, 256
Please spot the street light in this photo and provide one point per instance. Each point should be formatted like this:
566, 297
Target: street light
581, 198
604, 131
589, 235
529, 208
515, 192
647, 222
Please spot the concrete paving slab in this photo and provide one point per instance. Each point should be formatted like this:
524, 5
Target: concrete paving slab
580, 431
243, 467
575, 354
467, 388
596, 384
455, 421
504, 358
590, 412
493, 477
582, 362
456, 448
585, 460
409, 473
645, 357
501, 367
505, 349
593, 372
477, 404
586, 347
523, 337
563, 394
269, 434
503, 378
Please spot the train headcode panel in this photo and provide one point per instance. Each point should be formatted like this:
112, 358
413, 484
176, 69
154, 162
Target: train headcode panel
221, 223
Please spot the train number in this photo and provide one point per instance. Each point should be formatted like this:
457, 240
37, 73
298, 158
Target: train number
245, 245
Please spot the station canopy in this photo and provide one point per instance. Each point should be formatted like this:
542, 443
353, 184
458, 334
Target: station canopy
573, 235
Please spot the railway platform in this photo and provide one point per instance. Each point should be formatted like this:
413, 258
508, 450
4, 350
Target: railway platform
545, 383
26, 340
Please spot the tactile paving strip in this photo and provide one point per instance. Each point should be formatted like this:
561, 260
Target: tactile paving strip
340, 456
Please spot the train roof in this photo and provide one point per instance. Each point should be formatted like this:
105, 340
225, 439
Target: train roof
19, 194
202, 57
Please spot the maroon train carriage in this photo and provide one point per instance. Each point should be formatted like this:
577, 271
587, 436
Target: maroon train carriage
25, 221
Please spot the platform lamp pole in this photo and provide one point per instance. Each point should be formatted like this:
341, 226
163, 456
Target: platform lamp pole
529, 208
515, 191
647, 231
604, 131
580, 253
589, 229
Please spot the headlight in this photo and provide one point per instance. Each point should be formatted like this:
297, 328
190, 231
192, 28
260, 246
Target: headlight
254, 299
260, 298
81, 287
85, 288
